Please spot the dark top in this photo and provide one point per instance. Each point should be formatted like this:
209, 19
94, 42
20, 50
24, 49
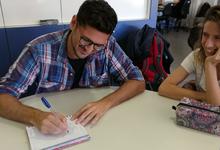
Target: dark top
78, 66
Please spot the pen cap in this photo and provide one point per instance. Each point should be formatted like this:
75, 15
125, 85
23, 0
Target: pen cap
46, 103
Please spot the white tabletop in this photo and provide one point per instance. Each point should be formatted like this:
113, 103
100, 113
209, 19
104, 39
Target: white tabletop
144, 122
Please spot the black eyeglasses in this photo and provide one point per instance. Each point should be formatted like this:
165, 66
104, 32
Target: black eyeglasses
84, 41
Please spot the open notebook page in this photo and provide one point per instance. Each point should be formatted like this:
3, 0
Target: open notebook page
75, 135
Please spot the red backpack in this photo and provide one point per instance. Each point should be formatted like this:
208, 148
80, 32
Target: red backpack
152, 66
150, 52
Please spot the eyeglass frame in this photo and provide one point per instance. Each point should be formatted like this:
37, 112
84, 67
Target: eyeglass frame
85, 41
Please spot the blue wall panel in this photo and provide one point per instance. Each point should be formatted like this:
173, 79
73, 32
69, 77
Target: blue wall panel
18, 37
153, 15
124, 26
4, 53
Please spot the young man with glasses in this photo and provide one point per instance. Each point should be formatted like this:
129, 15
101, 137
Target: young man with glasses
86, 55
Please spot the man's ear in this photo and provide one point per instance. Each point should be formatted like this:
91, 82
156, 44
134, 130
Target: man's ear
73, 22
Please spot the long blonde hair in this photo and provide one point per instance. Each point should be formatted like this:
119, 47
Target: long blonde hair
213, 15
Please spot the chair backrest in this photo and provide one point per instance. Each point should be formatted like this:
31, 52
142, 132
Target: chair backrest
185, 8
203, 9
181, 9
168, 9
194, 36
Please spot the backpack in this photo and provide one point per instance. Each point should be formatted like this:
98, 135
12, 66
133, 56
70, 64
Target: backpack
149, 51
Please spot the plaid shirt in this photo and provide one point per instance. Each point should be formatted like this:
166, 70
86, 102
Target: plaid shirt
44, 62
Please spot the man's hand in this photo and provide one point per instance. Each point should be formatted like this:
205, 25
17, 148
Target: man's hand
91, 112
51, 123
46, 122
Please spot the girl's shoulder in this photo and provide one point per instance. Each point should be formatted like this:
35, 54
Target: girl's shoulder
196, 53
197, 50
191, 61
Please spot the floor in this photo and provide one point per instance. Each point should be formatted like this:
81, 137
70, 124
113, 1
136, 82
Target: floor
178, 46
179, 49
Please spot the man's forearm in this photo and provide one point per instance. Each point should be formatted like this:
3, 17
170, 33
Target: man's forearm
12, 109
129, 89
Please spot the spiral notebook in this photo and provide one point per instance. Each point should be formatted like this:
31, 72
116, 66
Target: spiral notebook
76, 134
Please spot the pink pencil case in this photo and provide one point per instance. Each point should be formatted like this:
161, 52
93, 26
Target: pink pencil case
198, 115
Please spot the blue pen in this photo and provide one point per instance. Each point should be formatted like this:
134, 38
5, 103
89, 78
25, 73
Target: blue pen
46, 103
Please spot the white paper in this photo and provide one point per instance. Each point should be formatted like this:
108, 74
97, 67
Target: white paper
76, 134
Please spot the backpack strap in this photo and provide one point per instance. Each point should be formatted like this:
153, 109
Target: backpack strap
158, 56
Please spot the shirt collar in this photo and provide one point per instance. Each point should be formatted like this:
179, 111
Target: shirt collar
62, 53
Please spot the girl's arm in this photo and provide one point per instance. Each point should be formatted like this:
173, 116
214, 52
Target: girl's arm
170, 88
212, 85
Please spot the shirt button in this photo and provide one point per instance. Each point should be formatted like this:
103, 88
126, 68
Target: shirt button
71, 74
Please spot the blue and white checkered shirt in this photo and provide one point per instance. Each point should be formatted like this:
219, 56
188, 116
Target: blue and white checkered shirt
44, 60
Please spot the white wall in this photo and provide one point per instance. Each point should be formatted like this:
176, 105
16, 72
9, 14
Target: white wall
70, 8
1, 19
30, 12
131, 9
125, 9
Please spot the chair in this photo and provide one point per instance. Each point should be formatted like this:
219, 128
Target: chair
180, 11
200, 15
203, 9
194, 37
166, 14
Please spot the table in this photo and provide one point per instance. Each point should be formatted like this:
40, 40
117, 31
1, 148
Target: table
144, 122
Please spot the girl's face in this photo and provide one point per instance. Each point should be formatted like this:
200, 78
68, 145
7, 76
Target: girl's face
211, 38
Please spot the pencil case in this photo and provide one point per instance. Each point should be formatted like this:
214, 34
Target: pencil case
198, 115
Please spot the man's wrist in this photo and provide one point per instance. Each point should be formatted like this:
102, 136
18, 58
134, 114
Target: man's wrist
108, 103
35, 117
